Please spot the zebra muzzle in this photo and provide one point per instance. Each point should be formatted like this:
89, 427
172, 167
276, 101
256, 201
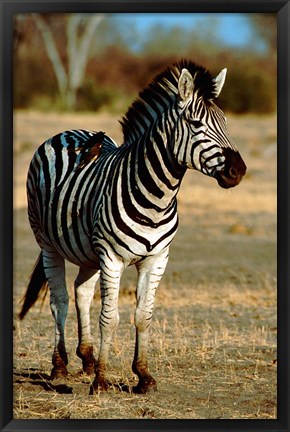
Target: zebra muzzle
228, 182
234, 170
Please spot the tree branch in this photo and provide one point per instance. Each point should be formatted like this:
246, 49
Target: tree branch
78, 58
52, 53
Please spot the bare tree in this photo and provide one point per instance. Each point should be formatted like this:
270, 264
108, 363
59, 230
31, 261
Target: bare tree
80, 30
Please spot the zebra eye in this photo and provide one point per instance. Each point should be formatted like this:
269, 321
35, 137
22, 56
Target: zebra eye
196, 124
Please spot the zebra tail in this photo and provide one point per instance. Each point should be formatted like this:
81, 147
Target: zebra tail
37, 283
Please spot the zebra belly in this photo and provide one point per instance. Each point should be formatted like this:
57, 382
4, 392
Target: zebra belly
78, 250
74, 246
69, 230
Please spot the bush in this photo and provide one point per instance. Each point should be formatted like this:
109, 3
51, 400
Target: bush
115, 78
249, 91
93, 97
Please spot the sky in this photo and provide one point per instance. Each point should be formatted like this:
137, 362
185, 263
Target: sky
233, 29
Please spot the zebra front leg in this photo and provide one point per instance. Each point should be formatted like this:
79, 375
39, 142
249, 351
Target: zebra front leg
150, 272
109, 318
84, 292
54, 270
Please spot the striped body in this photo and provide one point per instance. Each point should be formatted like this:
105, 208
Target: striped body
104, 207
76, 211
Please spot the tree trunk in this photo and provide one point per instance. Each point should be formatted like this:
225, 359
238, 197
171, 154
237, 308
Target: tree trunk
53, 54
77, 53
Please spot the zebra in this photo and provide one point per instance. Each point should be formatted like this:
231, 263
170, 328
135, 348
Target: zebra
104, 207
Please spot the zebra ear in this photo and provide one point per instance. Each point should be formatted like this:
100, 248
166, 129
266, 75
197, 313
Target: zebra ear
185, 85
218, 82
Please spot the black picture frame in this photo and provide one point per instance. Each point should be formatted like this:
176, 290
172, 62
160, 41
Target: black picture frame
7, 9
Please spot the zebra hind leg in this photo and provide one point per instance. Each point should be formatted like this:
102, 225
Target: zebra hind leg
55, 273
84, 291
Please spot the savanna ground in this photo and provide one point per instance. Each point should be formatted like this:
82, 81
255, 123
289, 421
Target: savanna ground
213, 338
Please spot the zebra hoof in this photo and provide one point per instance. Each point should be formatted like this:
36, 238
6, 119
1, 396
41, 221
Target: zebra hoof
99, 385
59, 362
85, 352
145, 385
58, 373
89, 368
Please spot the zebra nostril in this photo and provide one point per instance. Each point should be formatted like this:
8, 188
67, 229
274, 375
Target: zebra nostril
233, 172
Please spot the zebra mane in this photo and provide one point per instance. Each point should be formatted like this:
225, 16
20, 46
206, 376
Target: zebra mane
160, 94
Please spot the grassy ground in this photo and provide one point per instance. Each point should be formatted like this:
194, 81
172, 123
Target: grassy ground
213, 339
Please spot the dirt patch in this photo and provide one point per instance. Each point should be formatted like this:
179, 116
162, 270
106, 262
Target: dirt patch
213, 339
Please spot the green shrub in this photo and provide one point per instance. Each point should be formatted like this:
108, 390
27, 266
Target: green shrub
93, 97
249, 91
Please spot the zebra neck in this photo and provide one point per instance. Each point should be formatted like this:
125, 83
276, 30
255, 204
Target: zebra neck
154, 177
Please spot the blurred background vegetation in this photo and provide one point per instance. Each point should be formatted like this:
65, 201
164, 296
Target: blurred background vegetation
92, 62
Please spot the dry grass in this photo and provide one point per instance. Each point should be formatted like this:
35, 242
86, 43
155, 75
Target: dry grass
213, 344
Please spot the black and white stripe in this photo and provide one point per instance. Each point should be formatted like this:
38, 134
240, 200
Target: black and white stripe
104, 207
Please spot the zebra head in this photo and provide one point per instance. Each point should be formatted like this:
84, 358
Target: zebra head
203, 142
